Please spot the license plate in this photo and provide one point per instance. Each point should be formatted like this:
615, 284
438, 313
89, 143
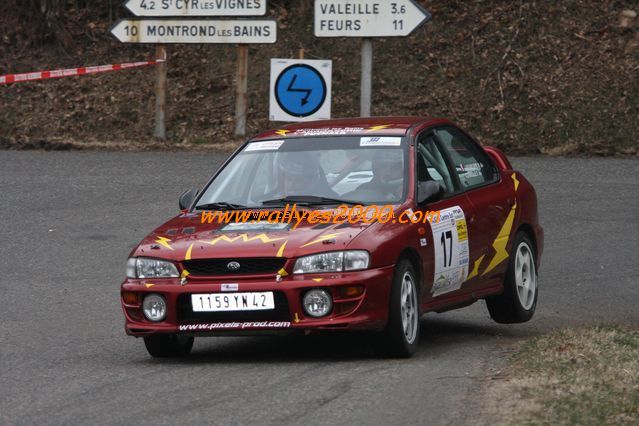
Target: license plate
225, 302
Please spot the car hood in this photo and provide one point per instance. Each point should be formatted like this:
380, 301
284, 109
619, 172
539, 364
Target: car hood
185, 237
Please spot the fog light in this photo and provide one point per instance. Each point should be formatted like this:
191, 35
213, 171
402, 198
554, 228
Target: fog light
317, 303
154, 307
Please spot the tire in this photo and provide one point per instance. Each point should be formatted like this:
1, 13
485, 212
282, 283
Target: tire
168, 345
401, 335
518, 302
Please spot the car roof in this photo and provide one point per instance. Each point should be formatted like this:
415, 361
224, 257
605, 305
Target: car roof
380, 126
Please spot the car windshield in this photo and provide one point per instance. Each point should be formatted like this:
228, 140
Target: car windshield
322, 170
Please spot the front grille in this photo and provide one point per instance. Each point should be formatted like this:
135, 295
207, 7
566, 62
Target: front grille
254, 265
186, 314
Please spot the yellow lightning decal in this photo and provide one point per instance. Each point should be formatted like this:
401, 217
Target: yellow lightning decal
500, 242
244, 238
149, 285
188, 252
282, 273
296, 319
318, 280
382, 127
280, 252
322, 238
514, 176
185, 274
502, 239
475, 271
165, 242
283, 132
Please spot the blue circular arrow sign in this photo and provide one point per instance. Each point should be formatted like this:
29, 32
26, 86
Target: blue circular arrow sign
300, 90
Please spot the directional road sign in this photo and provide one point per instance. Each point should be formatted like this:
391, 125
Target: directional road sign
300, 90
368, 18
186, 8
245, 31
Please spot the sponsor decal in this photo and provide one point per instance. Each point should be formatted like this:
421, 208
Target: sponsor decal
264, 146
380, 141
250, 226
330, 131
244, 325
469, 170
230, 287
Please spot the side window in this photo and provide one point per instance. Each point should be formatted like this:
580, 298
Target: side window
431, 164
471, 165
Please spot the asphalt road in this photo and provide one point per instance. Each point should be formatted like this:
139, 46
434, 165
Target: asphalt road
68, 221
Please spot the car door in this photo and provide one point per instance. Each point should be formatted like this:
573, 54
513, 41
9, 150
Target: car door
492, 198
444, 245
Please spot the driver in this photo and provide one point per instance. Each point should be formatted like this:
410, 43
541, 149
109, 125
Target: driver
300, 173
388, 174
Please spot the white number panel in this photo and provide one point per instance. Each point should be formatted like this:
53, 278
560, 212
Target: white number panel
450, 239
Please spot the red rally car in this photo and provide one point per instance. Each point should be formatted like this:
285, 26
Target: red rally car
193, 277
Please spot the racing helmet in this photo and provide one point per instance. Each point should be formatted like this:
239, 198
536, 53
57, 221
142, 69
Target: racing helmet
298, 170
388, 165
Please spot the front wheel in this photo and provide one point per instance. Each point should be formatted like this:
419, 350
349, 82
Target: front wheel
519, 300
168, 345
401, 335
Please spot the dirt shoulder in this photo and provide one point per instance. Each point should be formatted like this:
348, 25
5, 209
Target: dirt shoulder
584, 376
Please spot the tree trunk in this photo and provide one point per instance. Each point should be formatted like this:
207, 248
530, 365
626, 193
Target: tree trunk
45, 19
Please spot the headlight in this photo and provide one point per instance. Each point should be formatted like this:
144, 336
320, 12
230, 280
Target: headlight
336, 261
141, 267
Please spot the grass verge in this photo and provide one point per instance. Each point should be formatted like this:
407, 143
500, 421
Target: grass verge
586, 376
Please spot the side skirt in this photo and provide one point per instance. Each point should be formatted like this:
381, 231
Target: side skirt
460, 301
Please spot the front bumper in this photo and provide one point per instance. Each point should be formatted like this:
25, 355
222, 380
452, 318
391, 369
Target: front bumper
368, 311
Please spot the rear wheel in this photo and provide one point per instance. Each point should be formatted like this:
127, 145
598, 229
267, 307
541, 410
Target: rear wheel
401, 335
519, 300
168, 345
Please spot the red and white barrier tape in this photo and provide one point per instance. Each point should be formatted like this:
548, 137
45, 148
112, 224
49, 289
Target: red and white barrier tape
71, 72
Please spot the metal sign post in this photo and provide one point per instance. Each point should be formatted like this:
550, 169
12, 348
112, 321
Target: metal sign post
160, 92
241, 96
367, 78
367, 19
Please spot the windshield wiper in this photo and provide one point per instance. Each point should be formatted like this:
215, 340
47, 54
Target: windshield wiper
222, 205
308, 200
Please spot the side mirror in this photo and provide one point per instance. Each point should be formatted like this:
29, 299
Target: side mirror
428, 192
187, 198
